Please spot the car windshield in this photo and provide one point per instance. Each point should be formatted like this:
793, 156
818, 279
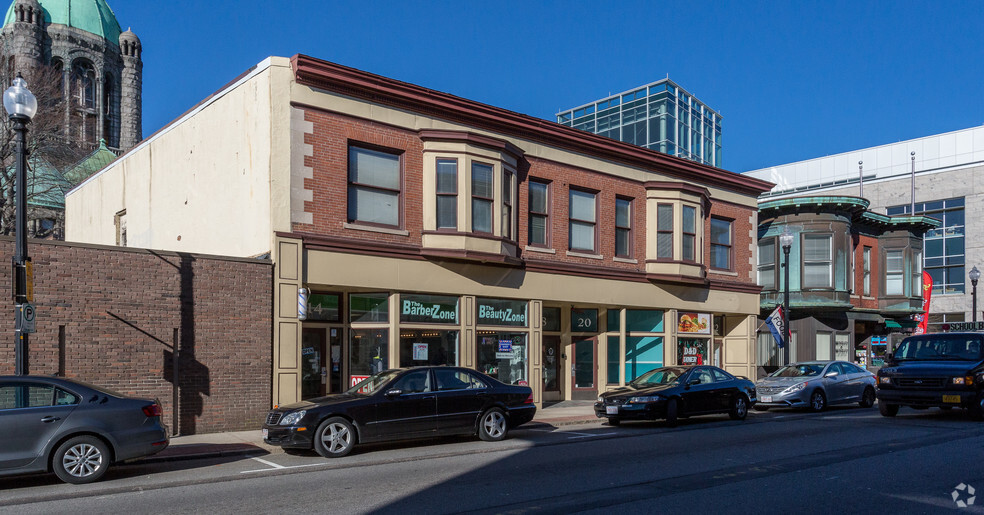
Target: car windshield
940, 347
372, 383
659, 376
799, 370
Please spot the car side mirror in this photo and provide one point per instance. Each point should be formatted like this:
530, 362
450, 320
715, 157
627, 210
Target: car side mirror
830, 374
695, 380
889, 356
395, 392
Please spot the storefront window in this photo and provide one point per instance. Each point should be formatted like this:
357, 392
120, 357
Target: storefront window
693, 351
369, 307
429, 309
614, 351
324, 307
551, 319
428, 347
502, 312
646, 321
642, 354
613, 320
368, 353
503, 355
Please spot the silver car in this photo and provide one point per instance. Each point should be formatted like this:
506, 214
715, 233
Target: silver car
815, 385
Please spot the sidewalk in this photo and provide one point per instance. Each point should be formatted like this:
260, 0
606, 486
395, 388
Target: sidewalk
236, 443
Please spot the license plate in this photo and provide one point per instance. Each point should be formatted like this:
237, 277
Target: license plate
952, 398
611, 410
266, 433
766, 398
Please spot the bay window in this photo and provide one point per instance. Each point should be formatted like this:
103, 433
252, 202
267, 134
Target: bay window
447, 193
482, 197
817, 269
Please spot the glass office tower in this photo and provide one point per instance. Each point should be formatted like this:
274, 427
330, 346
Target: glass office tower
661, 116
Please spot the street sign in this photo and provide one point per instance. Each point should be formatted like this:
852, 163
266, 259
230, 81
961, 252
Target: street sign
966, 326
25, 318
30, 280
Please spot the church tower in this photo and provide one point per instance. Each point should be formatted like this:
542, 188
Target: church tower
101, 66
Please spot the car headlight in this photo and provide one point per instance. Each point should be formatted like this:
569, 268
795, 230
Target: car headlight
292, 418
885, 380
645, 399
601, 399
969, 380
796, 387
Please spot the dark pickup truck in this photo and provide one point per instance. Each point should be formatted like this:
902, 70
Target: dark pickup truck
942, 370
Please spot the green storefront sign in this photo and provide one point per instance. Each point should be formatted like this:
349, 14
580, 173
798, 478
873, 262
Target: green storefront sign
429, 309
502, 312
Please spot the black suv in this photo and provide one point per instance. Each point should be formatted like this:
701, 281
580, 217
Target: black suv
943, 370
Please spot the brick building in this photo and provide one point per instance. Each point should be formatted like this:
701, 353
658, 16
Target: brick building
116, 317
409, 226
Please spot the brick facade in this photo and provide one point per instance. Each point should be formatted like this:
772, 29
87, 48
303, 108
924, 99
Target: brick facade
112, 317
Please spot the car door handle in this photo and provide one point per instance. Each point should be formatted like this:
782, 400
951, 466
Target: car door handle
49, 419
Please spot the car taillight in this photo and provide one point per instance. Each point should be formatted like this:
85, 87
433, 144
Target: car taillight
529, 400
154, 410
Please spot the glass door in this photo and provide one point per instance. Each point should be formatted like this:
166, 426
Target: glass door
583, 369
314, 372
551, 365
335, 367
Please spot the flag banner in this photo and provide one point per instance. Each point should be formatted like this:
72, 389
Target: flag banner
775, 325
923, 318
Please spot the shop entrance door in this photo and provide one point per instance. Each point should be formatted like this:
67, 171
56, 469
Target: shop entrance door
551, 369
583, 370
335, 360
314, 374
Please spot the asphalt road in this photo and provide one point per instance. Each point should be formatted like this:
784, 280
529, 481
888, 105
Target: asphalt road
843, 460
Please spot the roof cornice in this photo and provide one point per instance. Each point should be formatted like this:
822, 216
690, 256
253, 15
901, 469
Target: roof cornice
355, 83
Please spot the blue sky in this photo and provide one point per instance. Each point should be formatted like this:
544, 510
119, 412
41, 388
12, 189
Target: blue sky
793, 80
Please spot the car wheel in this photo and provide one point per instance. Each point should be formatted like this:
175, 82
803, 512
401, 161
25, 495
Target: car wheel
818, 401
614, 421
976, 410
334, 438
760, 408
672, 412
739, 408
81, 460
888, 410
492, 427
867, 398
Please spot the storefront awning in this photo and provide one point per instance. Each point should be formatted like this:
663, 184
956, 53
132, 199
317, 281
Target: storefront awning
892, 324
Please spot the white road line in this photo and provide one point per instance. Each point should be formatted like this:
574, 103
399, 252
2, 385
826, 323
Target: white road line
269, 463
589, 436
279, 467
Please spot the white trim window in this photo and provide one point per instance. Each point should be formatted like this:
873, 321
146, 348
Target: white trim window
817, 269
895, 272
767, 264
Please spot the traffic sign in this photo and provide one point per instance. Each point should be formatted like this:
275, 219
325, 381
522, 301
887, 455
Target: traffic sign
25, 318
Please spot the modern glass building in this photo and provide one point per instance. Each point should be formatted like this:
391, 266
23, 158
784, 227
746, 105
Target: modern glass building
661, 116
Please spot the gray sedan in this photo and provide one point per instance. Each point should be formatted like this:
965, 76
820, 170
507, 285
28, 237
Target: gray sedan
73, 429
815, 385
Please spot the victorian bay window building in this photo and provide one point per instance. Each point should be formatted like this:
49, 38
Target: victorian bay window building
413, 227
855, 277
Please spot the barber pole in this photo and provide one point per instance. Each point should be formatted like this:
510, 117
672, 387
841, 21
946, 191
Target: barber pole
302, 303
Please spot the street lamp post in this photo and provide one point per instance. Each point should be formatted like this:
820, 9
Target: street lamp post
975, 274
20, 105
786, 240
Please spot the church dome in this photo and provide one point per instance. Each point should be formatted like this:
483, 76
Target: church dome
93, 16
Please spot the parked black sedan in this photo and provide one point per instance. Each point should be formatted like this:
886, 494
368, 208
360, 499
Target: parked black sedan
672, 392
72, 428
399, 404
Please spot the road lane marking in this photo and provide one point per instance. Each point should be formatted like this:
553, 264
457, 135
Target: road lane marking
589, 436
282, 467
269, 463
582, 435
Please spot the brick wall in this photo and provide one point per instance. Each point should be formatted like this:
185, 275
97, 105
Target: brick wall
333, 132
123, 311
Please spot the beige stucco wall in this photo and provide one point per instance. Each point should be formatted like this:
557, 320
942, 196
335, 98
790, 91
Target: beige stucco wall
204, 184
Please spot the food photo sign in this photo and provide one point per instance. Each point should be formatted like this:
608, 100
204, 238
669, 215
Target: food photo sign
694, 323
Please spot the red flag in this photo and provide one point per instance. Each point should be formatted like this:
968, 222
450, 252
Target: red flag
927, 291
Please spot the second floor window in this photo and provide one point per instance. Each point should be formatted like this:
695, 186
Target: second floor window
816, 261
689, 233
664, 231
623, 227
374, 187
538, 213
507, 205
582, 221
721, 243
482, 197
894, 272
866, 271
767, 264
447, 194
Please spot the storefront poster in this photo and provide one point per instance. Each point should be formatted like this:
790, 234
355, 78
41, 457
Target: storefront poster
692, 352
420, 352
694, 323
